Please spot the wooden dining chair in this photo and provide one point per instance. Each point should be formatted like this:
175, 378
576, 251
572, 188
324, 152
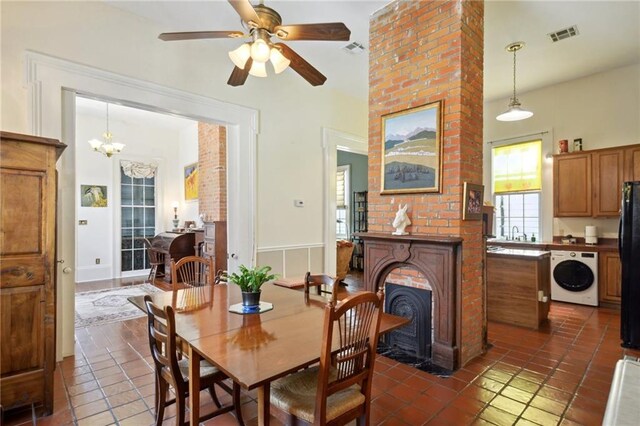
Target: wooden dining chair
193, 271
173, 369
156, 259
318, 281
339, 389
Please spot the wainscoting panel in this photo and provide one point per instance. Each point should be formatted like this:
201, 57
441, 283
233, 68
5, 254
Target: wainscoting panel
293, 261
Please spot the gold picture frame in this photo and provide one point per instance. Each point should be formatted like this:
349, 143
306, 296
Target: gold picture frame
191, 182
412, 150
472, 201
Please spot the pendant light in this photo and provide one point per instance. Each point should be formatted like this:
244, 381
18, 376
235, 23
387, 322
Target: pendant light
106, 147
515, 111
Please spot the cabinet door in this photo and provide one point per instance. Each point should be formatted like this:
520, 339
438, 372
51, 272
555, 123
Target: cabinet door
22, 326
609, 277
572, 185
607, 182
632, 164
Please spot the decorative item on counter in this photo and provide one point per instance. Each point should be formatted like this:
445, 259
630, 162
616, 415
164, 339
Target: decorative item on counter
401, 221
577, 145
568, 239
533, 237
591, 235
563, 146
250, 281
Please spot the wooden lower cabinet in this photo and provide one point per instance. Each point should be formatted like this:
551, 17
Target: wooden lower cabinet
609, 277
513, 284
27, 280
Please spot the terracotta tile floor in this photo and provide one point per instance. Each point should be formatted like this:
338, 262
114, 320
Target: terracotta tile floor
560, 374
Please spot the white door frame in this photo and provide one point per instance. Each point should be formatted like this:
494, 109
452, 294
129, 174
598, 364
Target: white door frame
51, 82
332, 141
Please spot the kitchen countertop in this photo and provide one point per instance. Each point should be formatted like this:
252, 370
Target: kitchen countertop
604, 244
528, 254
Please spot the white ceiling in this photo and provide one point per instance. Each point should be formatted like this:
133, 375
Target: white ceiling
129, 115
609, 37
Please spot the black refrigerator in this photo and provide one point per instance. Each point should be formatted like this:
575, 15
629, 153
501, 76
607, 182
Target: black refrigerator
629, 247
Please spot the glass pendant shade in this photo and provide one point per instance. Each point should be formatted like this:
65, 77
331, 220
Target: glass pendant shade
258, 69
240, 56
260, 51
280, 63
514, 113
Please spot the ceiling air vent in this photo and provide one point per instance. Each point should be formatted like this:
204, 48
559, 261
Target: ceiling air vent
354, 48
564, 33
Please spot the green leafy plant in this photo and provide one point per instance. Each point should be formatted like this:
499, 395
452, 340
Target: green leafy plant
251, 279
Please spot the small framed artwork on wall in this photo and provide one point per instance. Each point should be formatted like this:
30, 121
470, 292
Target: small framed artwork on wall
472, 201
191, 182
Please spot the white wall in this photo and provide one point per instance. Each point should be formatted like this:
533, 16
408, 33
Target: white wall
100, 238
187, 154
292, 112
603, 109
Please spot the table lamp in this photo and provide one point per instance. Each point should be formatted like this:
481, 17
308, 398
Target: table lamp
176, 221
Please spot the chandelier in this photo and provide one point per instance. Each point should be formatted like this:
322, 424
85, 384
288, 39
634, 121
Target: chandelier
515, 111
107, 147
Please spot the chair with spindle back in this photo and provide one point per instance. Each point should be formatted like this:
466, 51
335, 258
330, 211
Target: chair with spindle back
174, 370
193, 271
156, 259
339, 389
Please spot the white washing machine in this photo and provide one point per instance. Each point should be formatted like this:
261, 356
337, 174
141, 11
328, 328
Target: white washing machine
574, 277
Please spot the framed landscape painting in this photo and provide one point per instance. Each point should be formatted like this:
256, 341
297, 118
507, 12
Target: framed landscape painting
412, 150
191, 182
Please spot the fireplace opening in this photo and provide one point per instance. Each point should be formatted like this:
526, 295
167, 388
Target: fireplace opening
414, 339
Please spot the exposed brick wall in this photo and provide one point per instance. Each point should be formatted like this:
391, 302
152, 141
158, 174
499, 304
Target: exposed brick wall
212, 163
421, 52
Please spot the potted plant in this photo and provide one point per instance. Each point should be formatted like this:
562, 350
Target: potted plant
250, 280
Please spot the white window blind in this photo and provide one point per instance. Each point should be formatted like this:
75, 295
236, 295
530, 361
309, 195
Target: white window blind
341, 186
517, 167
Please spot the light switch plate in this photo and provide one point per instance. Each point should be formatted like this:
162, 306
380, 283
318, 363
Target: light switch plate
83, 222
298, 203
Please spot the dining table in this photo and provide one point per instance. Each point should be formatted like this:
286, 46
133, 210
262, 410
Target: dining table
253, 349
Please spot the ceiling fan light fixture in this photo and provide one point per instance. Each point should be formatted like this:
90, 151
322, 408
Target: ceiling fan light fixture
515, 111
280, 63
240, 55
260, 51
258, 69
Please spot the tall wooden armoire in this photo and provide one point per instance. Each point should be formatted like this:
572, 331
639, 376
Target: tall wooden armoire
27, 269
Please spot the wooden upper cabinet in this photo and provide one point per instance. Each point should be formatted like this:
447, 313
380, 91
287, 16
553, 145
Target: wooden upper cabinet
632, 164
572, 185
589, 183
608, 168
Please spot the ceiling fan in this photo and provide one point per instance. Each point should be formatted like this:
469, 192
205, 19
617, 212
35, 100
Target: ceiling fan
262, 23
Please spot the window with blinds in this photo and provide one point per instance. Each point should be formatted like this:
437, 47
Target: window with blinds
342, 202
517, 167
517, 182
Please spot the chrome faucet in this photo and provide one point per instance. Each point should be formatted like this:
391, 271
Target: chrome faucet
513, 234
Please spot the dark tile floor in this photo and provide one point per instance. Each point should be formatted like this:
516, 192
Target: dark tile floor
560, 374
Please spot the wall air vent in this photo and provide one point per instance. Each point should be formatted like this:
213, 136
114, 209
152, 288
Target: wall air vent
564, 33
354, 48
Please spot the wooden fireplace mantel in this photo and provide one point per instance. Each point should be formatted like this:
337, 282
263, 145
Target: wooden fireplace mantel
438, 258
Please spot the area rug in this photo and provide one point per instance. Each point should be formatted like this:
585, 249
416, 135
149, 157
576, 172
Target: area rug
111, 305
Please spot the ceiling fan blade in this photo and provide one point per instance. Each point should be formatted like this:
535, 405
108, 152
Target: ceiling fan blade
195, 35
336, 31
239, 75
302, 67
246, 11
